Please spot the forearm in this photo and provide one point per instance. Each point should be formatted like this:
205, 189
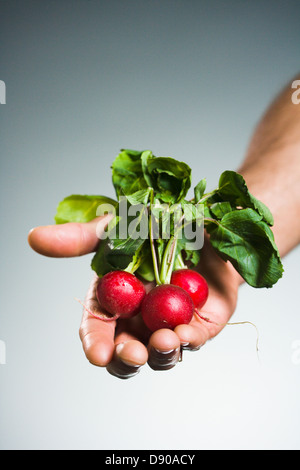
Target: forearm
272, 167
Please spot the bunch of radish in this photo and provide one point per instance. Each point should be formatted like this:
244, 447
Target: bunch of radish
162, 244
122, 295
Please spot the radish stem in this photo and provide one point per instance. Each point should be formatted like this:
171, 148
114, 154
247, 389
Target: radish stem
152, 244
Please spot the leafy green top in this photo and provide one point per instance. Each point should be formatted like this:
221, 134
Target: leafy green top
156, 230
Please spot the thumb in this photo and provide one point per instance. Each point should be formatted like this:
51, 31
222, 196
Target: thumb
69, 239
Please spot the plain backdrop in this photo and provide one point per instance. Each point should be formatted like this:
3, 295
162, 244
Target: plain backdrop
187, 79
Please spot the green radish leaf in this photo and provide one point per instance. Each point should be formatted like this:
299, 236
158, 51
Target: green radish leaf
192, 212
139, 197
183, 250
145, 269
233, 188
134, 170
191, 237
116, 255
199, 190
243, 238
80, 208
170, 178
193, 256
219, 209
124, 237
127, 173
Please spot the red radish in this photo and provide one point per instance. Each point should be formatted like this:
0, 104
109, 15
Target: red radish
167, 306
193, 283
119, 293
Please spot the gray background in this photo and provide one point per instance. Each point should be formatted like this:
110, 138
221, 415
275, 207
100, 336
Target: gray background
187, 79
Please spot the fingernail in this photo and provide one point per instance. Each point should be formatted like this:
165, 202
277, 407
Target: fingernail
163, 360
190, 348
120, 368
119, 348
165, 352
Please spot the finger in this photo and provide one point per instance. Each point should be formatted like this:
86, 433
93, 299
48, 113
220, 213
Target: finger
130, 352
206, 324
129, 357
164, 349
97, 336
192, 336
69, 239
97, 340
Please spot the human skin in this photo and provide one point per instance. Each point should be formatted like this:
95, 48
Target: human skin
271, 169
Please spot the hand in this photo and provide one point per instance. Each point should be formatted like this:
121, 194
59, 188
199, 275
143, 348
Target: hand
124, 346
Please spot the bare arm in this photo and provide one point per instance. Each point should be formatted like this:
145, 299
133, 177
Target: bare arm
272, 167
